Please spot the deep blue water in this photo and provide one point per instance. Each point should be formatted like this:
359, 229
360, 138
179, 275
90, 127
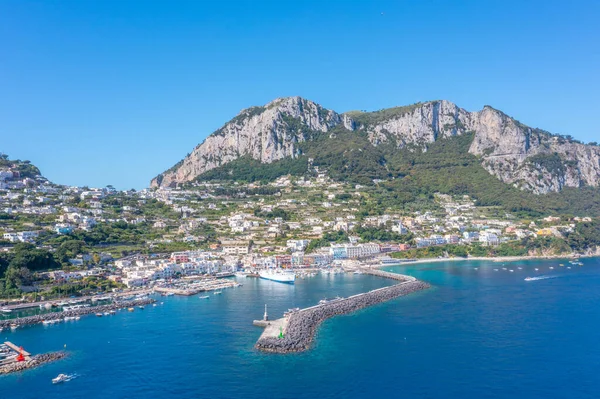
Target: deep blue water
476, 334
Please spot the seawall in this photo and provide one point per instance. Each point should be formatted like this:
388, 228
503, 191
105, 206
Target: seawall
299, 327
24, 321
35, 361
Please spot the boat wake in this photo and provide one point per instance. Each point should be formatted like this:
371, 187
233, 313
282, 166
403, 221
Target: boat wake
540, 278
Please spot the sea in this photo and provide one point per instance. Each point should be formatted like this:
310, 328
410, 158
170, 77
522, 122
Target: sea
481, 331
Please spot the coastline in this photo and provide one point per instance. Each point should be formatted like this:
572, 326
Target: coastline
486, 258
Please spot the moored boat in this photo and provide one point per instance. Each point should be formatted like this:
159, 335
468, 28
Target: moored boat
278, 275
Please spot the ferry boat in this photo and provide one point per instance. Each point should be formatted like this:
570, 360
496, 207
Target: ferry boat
278, 275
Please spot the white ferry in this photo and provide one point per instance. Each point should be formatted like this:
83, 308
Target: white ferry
278, 275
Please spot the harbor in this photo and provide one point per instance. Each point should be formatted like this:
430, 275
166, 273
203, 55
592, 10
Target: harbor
193, 287
74, 314
295, 331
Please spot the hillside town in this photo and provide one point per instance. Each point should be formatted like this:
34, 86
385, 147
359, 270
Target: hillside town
136, 238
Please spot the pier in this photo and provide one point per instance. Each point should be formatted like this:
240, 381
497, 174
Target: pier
29, 320
13, 358
294, 332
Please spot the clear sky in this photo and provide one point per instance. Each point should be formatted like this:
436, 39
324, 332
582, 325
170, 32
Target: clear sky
114, 92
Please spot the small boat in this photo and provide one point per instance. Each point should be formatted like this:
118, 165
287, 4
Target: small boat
520, 268
495, 270
536, 269
140, 307
130, 309
113, 312
61, 378
551, 268
106, 314
13, 327
77, 318
204, 297
561, 265
217, 292
154, 305
358, 272
4, 310
568, 267
99, 314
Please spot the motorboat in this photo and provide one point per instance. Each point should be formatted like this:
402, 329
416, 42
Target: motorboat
62, 378
204, 297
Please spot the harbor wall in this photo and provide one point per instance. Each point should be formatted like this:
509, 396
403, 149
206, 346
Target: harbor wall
34, 361
24, 321
302, 324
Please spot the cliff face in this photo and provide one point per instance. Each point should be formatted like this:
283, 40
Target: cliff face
529, 158
266, 133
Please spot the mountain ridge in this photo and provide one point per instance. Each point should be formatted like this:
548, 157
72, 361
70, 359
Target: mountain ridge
528, 158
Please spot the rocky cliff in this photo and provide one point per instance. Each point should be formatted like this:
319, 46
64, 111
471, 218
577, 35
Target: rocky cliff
528, 158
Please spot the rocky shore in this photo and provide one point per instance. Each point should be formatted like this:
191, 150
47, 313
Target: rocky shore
302, 324
35, 361
29, 320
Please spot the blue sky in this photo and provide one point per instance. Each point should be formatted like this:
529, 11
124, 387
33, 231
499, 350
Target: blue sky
114, 92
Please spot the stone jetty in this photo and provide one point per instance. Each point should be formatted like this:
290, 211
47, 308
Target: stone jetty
298, 328
34, 361
29, 320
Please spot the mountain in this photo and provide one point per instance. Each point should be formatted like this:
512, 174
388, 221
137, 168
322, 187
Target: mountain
292, 131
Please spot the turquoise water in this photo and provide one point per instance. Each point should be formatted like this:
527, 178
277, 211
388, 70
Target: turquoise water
477, 334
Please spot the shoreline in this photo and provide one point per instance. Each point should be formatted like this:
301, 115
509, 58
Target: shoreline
496, 259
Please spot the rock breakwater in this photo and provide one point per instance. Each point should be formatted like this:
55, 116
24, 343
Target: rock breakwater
35, 361
302, 324
29, 320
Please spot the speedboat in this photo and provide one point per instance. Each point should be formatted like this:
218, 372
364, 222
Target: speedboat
204, 297
217, 292
61, 378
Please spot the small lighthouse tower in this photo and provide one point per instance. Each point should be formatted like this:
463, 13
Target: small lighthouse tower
266, 316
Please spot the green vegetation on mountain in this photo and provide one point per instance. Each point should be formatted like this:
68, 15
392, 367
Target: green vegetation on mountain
25, 168
372, 118
412, 175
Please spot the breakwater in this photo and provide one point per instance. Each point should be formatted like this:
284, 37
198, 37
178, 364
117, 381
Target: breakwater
34, 361
300, 326
29, 320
